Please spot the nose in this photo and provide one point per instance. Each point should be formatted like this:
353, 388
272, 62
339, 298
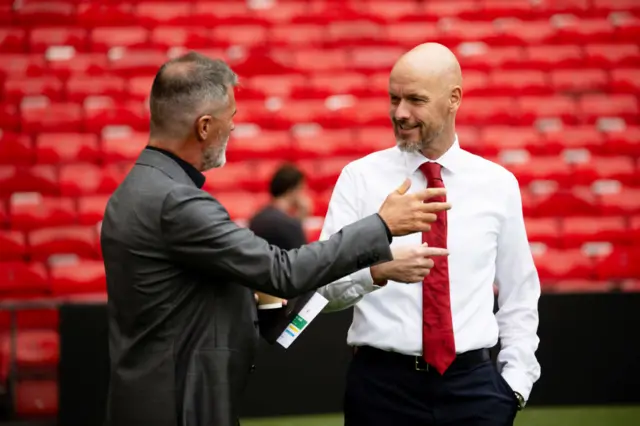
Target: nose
401, 112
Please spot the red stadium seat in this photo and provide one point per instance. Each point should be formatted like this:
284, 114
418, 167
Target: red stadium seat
606, 56
78, 277
18, 87
487, 111
409, 34
515, 83
576, 201
43, 179
564, 265
354, 33
78, 88
56, 148
618, 168
302, 35
275, 85
323, 174
32, 211
376, 138
240, 35
541, 168
469, 31
139, 88
44, 13
587, 137
489, 59
21, 65
577, 231
536, 108
151, 14
103, 39
621, 263
13, 245
42, 38
15, 149
596, 106
497, 139
91, 209
578, 81
13, 40
262, 173
626, 80
23, 278
77, 240
83, 64
444, 9
4, 215
231, 177
339, 84
554, 57
123, 148
35, 349
88, 179
132, 62
56, 117
242, 205
624, 141
606, 6
494, 9
585, 31
321, 202
101, 112
324, 143
36, 398
543, 230
549, 8
634, 227
624, 201
98, 14
627, 27
9, 117
167, 37
527, 33
265, 144
311, 60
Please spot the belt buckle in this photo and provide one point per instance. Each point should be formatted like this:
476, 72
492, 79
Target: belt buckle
418, 367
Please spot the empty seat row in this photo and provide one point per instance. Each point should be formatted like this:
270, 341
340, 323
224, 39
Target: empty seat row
561, 264
130, 61
335, 32
576, 231
41, 244
323, 85
149, 13
334, 112
24, 280
583, 146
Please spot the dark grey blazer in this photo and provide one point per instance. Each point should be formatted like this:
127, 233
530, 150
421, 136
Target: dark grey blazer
182, 318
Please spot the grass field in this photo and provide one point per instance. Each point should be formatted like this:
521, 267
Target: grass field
580, 416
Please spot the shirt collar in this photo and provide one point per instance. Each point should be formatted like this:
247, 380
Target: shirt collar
450, 160
193, 173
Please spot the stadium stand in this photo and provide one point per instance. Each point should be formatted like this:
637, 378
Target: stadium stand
551, 92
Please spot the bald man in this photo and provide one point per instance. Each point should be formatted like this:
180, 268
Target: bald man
181, 275
422, 350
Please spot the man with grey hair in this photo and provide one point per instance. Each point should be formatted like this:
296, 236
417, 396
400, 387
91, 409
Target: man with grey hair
181, 275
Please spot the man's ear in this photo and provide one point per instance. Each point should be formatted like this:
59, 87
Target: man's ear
456, 98
204, 127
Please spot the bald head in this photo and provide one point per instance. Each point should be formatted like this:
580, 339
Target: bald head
425, 89
431, 62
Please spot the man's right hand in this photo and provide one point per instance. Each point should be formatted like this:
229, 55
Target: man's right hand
408, 213
409, 264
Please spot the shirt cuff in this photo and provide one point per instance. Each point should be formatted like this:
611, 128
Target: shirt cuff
364, 280
518, 382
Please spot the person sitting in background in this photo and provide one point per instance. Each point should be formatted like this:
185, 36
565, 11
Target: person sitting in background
280, 222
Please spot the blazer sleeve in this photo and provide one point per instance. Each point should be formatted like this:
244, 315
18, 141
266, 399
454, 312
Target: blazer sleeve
200, 234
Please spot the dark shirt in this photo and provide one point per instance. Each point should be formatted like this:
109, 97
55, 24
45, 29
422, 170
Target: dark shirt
195, 175
278, 228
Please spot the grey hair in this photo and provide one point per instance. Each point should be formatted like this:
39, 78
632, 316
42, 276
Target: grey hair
186, 87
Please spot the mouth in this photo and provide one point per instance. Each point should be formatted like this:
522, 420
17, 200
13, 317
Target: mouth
406, 128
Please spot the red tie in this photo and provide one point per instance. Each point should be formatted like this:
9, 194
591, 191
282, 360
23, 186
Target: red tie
438, 345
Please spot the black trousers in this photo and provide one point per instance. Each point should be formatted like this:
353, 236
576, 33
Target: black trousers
389, 391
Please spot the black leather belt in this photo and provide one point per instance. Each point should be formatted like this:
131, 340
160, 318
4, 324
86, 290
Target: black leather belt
463, 361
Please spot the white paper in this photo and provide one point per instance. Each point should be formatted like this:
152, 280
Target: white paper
307, 314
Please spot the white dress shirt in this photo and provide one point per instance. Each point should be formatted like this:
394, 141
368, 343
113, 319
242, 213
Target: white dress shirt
487, 243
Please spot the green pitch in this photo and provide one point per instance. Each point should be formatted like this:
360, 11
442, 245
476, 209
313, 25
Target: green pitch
580, 416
